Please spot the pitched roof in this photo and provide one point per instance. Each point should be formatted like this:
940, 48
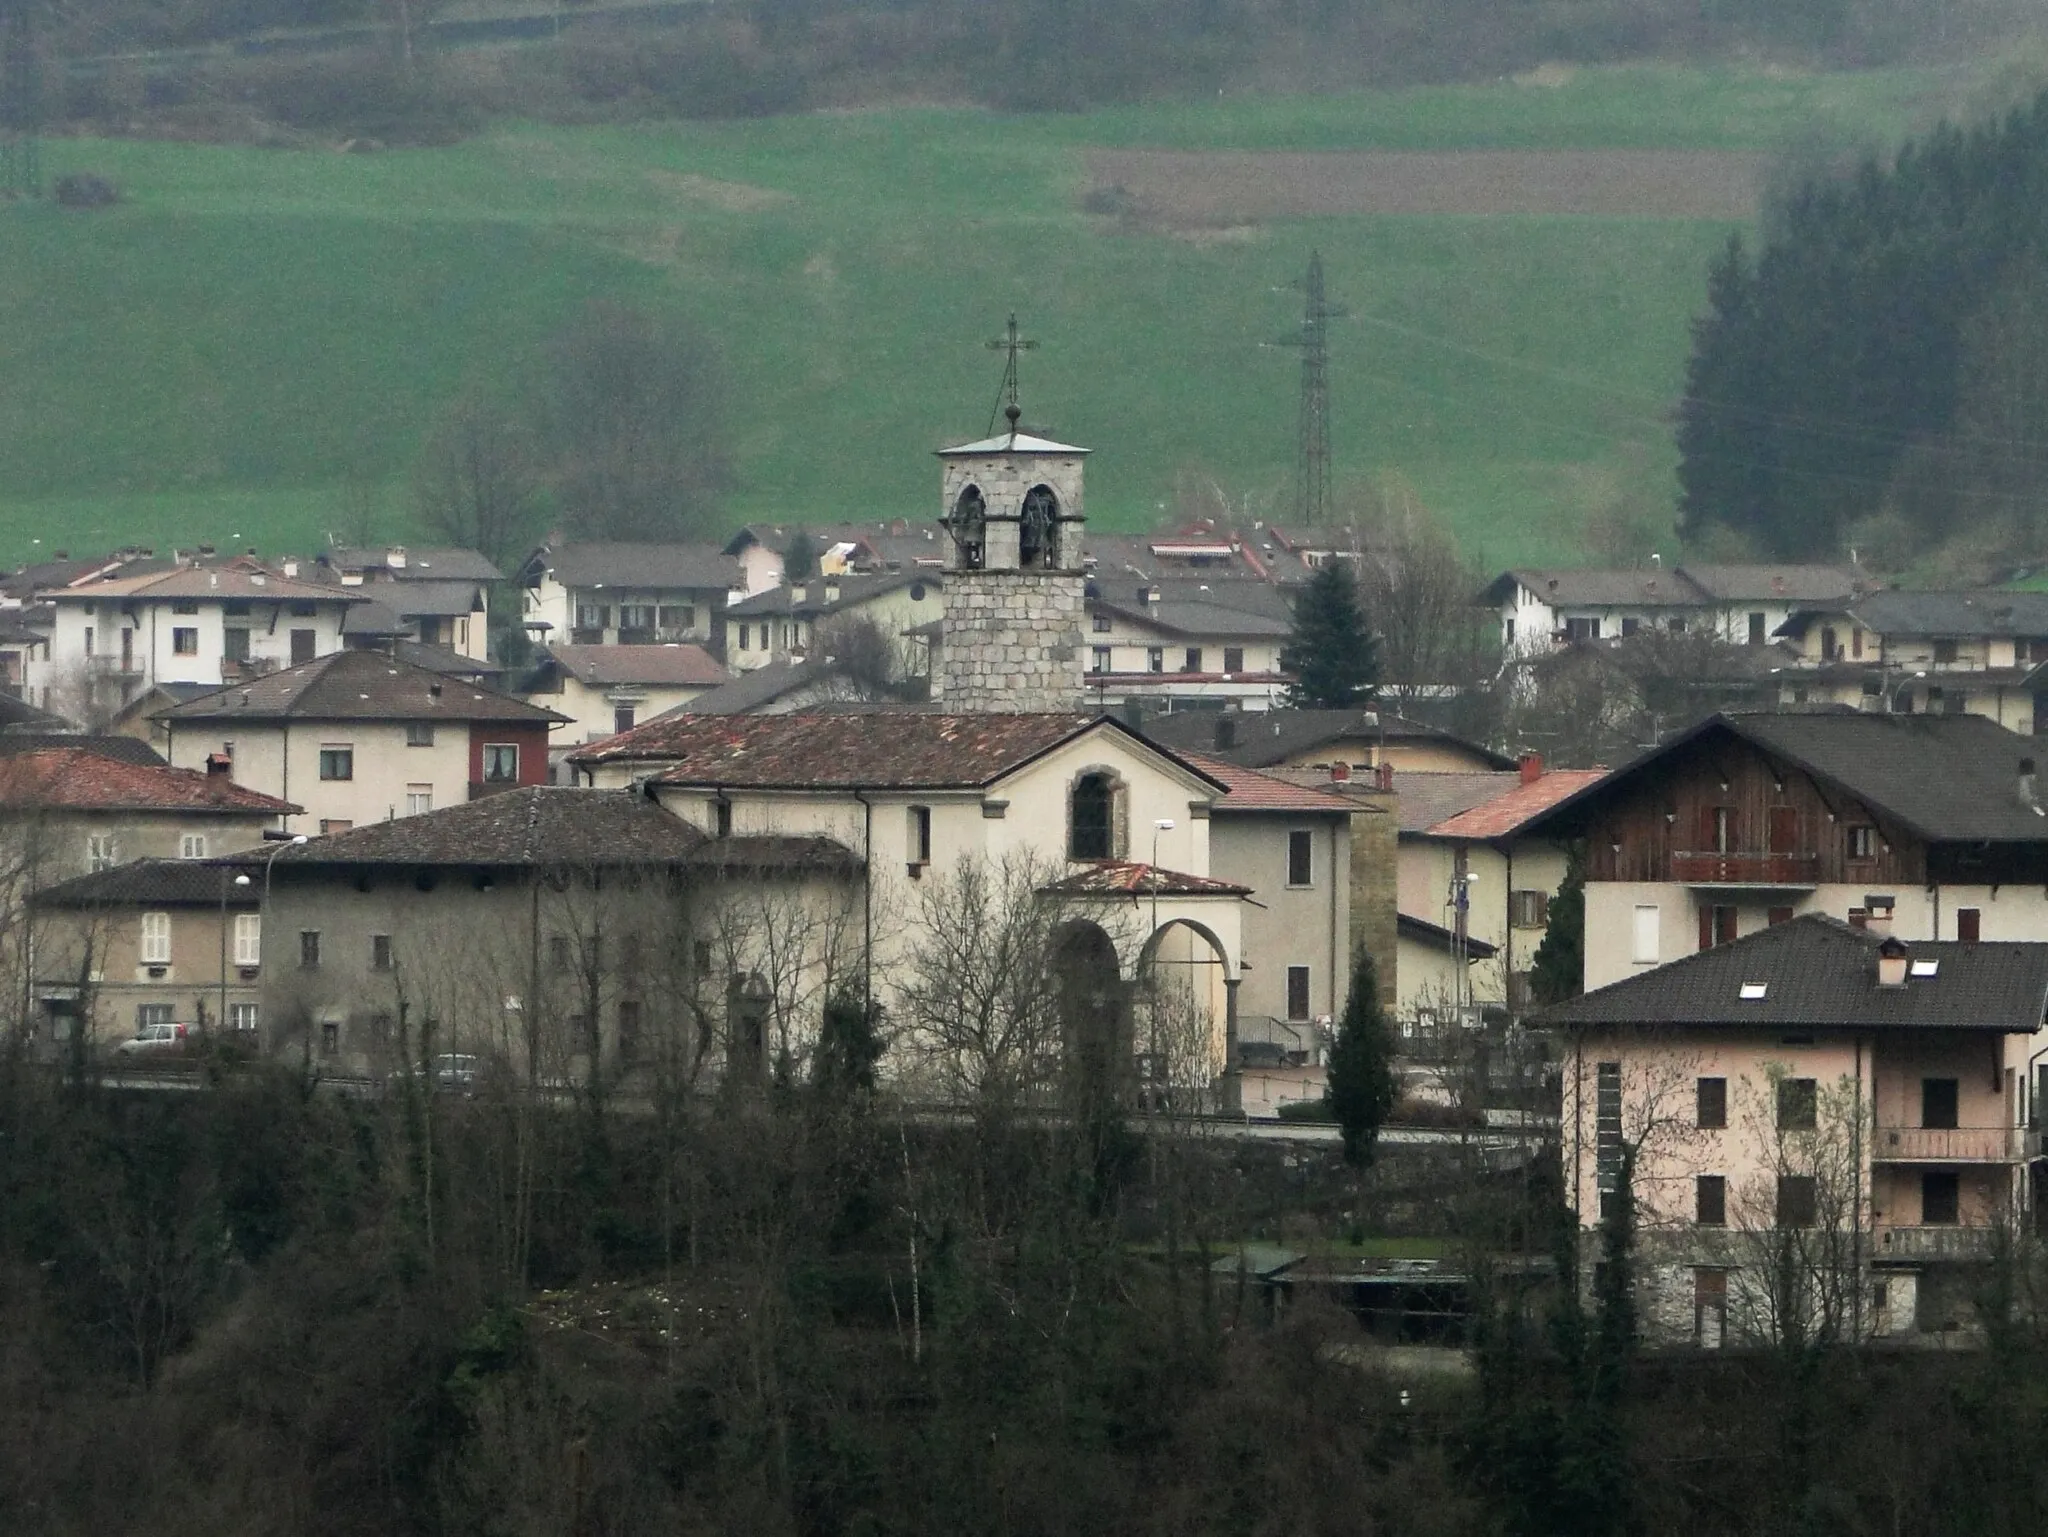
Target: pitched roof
676, 665
1504, 815
372, 617
1816, 972
1427, 800
205, 582
538, 825
809, 596
1123, 878
443, 659
766, 853
358, 685
156, 883
637, 567
1011, 442
1249, 790
1946, 613
1267, 737
18, 715
1600, 588
1773, 584
1199, 619
449, 564
751, 690
79, 779
1946, 778
441, 598
1437, 937
841, 751
125, 749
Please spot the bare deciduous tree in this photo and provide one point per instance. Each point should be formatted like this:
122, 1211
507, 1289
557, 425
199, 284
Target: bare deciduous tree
476, 484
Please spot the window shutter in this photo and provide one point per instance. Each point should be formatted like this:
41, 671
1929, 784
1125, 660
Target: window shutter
1706, 927
1706, 838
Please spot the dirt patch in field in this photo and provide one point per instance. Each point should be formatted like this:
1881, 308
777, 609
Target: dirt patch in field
732, 196
1223, 188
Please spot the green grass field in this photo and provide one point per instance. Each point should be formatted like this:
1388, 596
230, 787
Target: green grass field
253, 331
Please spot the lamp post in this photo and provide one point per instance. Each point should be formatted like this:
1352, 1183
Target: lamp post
241, 879
282, 843
1162, 825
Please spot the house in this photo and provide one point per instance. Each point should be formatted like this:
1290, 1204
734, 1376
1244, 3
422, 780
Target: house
73, 810
1292, 846
777, 689
1472, 873
1336, 743
359, 736
24, 642
607, 689
439, 597
838, 549
1744, 821
151, 942
214, 624
1199, 551
1939, 653
615, 593
1445, 977
1821, 1129
1742, 605
785, 623
1187, 643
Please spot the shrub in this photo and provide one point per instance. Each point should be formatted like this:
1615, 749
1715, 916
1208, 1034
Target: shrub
82, 189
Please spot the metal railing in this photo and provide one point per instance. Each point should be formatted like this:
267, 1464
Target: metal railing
1947, 1144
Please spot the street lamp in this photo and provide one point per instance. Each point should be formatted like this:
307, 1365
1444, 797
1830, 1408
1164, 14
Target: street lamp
221, 1019
263, 903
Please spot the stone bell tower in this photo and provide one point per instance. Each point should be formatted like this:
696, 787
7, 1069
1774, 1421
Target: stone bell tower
1015, 593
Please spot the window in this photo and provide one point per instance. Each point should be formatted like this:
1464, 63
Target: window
242, 1016
1233, 659
184, 605
1938, 1103
1709, 1308
1301, 867
192, 846
1581, 629
1102, 624
1710, 1200
156, 939
1643, 939
236, 608
629, 1032
622, 719
334, 825
1969, 924
1717, 829
330, 1037
1830, 647
1798, 1200
636, 616
309, 949
1629, 625
419, 733
919, 835
234, 644
418, 799
1756, 629
1528, 909
99, 851
337, 762
1856, 641
1710, 1100
88, 640
1863, 842
305, 646
1091, 829
147, 1014
595, 616
678, 616
248, 939
1798, 1104
185, 640
1297, 992
1717, 924
1607, 1127
380, 952
1940, 1198
1100, 660
722, 818
1193, 661
1778, 915
558, 952
501, 763
1944, 653
746, 638
1155, 659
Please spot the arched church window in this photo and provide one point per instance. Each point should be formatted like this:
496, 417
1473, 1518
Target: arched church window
1094, 816
1039, 537
969, 527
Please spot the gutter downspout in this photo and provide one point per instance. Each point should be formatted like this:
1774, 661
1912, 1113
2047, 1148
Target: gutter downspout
867, 902
1856, 1208
1338, 970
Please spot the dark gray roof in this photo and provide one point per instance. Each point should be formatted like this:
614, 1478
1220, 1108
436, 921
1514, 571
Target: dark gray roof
1592, 587
1427, 799
1266, 737
1437, 937
122, 749
1204, 620
1773, 584
455, 565
358, 685
157, 883
414, 597
374, 618
18, 715
770, 853
1817, 972
1946, 778
637, 567
1943, 613
850, 590
540, 825
445, 660
751, 690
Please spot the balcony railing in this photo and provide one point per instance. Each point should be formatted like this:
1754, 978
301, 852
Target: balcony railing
1744, 869
1947, 1144
1933, 1243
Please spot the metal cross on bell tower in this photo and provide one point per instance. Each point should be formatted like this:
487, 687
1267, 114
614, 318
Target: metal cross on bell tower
1006, 398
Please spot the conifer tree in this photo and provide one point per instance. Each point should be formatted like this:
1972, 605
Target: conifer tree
800, 560
1331, 654
1361, 1091
1559, 968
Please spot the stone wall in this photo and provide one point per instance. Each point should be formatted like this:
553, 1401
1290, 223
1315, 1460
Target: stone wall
1012, 641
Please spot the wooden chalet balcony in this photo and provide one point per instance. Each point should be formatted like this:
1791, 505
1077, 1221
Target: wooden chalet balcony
1936, 1242
1947, 1144
1744, 869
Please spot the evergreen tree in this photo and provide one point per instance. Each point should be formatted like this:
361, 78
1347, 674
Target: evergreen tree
1559, 969
849, 1045
800, 560
1361, 1091
1332, 654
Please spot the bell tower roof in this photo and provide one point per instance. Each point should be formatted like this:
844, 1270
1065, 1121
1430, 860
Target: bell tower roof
1011, 442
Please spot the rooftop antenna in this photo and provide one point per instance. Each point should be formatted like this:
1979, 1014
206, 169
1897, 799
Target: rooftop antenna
21, 101
1312, 468
1006, 398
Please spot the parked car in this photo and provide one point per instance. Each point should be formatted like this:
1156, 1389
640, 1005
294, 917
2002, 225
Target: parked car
156, 1038
457, 1073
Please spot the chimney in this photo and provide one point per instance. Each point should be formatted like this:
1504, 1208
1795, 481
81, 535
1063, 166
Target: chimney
1226, 733
291, 569
1383, 776
1340, 773
1891, 962
394, 558
2029, 797
1877, 910
1151, 596
1532, 767
218, 763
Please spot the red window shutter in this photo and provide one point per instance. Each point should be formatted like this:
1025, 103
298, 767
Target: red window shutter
1967, 924
1706, 926
1706, 843
1784, 830
1780, 915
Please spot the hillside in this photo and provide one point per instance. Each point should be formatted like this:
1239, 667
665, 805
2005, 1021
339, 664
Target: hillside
249, 348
